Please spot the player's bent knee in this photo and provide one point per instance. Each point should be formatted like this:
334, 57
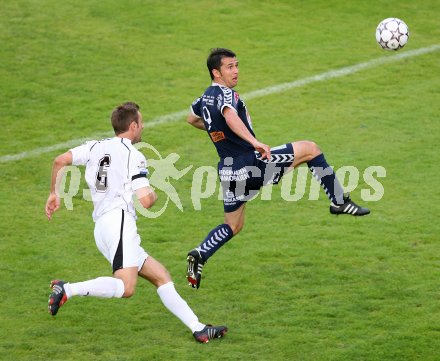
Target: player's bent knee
129, 288
314, 149
129, 292
305, 150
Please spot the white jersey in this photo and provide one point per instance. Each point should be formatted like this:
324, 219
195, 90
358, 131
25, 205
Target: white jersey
114, 171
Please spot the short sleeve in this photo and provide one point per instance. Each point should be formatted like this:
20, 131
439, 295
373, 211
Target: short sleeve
195, 108
81, 154
138, 171
229, 99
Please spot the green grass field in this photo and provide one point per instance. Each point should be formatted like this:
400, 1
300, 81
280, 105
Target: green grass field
297, 283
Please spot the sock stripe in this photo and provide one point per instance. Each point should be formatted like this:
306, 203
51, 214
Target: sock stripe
224, 232
326, 177
323, 186
214, 240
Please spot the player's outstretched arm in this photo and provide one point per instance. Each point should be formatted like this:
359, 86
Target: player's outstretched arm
53, 201
234, 122
196, 122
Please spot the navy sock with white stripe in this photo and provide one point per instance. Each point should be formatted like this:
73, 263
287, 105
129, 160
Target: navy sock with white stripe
325, 175
214, 240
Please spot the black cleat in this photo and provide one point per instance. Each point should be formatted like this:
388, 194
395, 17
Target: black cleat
349, 207
195, 267
58, 296
210, 332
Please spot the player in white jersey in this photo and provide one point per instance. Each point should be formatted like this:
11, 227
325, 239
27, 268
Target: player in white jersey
115, 171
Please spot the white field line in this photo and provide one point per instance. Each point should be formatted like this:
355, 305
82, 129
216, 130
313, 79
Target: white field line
173, 117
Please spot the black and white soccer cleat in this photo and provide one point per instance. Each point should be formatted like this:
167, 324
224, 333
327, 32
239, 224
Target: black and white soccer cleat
58, 296
210, 332
349, 207
195, 268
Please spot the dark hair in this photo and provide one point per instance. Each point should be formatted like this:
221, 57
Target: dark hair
215, 59
123, 116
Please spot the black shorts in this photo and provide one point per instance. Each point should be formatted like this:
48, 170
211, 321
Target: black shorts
243, 176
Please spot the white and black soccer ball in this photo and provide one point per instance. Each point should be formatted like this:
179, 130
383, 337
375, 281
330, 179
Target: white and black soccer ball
392, 34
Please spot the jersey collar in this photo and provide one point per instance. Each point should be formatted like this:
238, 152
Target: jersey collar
217, 84
123, 139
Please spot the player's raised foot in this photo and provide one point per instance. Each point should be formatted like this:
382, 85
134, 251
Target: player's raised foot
195, 267
58, 296
349, 207
210, 332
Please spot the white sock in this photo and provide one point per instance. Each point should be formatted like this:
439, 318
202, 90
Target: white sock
178, 307
106, 287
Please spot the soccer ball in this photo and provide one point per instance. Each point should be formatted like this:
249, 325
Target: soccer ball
392, 34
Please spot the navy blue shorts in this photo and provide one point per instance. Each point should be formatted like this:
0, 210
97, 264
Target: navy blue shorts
243, 176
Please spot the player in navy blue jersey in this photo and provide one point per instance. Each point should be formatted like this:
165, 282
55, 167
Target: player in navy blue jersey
247, 164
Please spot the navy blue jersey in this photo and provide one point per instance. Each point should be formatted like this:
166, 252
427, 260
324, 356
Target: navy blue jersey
210, 108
